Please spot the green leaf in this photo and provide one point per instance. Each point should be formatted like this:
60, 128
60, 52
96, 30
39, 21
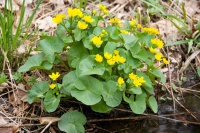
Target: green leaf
101, 107
68, 82
87, 42
37, 90
129, 40
51, 45
88, 90
135, 90
159, 74
126, 99
145, 38
97, 31
46, 65
76, 53
135, 49
153, 104
198, 25
139, 105
142, 55
113, 32
110, 94
198, 71
3, 78
148, 84
51, 102
79, 34
110, 47
61, 33
32, 62
89, 66
72, 122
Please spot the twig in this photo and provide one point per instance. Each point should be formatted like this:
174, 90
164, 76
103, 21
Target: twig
181, 104
46, 127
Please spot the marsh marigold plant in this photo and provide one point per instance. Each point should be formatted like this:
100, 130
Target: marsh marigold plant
104, 65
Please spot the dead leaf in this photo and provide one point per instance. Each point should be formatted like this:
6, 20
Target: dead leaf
45, 24
15, 7
20, 2
3, 86
3, 121
47, 120
167, 30
58, 2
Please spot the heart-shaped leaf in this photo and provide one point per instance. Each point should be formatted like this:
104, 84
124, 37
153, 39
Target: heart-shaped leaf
72, 122
89, 66
76, 53
101, 107
32, 62
139, 105
51, 45
111, 95
51, 102
88, 90
37, 90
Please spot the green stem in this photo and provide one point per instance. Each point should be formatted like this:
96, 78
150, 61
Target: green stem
66, 67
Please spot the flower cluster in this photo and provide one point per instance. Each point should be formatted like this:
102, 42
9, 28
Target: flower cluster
116, 21
98, 58
137, 81
120, 82
54, 77
97, 41
158, 44
152, 31
103, 9
58, 19
114, 58
103, 33
74, 12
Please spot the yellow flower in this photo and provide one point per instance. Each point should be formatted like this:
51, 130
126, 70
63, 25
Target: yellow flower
52, 86
102, 7
71, 12
105, 11
116, 58
158, 56
116, 52
103, 33
124, 31
94, 12
165, 61
58, 19
78, 12
141, 79
97, 40
82, 25
139, 26
122, 60
159, 43
132, 22
115, 21
54, 76
111, 62
88, 19
107, 55
152, 50
120, 81
132, 76
152, 31
98, 58
137, 83
74, 12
